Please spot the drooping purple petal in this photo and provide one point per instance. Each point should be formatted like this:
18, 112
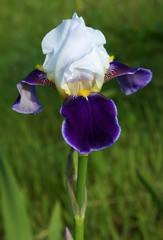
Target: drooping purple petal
90, 123
27, 101
130, 79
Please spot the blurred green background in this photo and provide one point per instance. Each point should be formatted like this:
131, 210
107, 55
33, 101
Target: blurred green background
119, 207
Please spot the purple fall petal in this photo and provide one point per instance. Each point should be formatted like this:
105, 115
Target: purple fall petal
90, 123
27, 101
37, 77
132, 82
130, 79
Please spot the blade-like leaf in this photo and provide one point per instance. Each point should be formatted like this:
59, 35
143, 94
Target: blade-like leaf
16, 222
158, 201
55, 228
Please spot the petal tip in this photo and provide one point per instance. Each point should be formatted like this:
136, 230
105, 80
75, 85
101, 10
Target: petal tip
131, 83
19, 109
27, 102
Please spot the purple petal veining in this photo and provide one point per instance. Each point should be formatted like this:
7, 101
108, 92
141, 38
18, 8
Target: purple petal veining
130, 79
90, 123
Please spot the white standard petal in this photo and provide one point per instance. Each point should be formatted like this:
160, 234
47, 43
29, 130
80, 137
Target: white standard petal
57, 37
97, 36
54, 40
73, 47
79, 19
75, 56
88, 72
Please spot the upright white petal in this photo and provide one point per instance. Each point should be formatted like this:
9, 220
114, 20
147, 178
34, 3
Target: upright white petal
75, 56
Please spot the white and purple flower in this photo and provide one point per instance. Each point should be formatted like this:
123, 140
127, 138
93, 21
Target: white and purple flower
77, 65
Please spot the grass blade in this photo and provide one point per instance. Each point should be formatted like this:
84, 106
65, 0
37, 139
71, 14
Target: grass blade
55, 228
16, 222
158, 201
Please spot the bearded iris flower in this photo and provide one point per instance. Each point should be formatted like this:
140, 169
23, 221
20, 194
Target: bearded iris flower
77, 65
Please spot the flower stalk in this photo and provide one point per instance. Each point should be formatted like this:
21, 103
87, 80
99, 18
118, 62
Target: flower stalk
81, 197
79, 228
81, 180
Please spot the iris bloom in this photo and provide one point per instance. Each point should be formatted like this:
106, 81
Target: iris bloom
77, 65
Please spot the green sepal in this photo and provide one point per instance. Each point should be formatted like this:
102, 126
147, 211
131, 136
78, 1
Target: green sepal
72, 197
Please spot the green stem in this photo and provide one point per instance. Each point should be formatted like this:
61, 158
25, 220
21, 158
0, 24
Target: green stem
80, 195
79, 228
81, 180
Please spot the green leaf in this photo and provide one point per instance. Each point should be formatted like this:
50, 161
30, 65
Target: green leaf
158, 201
55, 228
16, 222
